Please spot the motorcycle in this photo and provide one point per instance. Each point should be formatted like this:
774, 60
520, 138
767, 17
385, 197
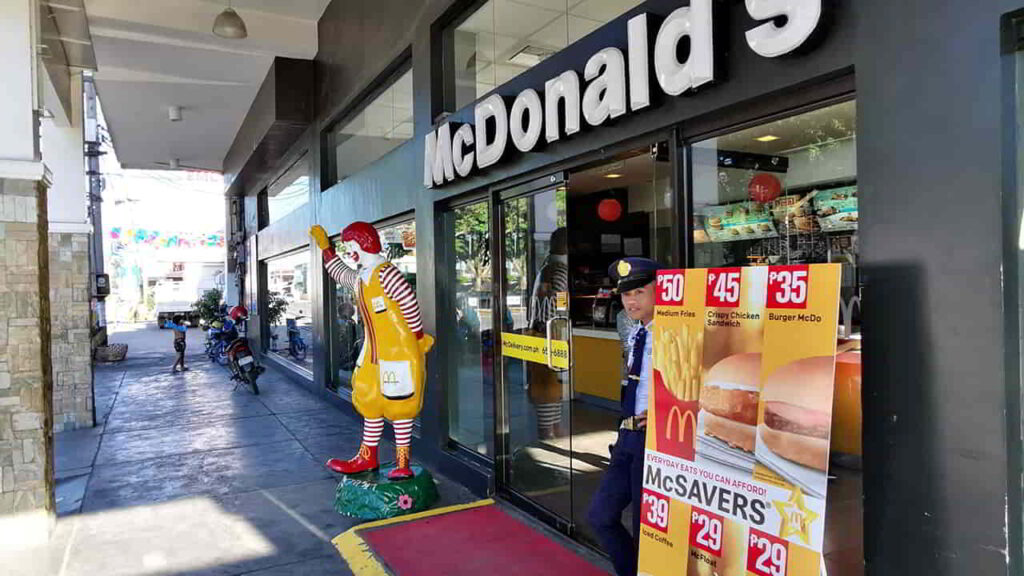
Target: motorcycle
217, 336
296, 344
240, 359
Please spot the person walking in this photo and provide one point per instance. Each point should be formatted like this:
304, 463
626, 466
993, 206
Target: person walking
622, 483
180, 331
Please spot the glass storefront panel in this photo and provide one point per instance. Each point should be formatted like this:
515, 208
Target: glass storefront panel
380, 127
289, 308
471, 353
785, 192
503, 38
536, 396
398, 244
619, 208
289, 192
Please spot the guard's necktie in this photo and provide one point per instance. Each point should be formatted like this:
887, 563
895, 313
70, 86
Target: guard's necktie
633, 378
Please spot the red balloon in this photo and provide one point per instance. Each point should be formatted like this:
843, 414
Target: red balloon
764, 188
609, 209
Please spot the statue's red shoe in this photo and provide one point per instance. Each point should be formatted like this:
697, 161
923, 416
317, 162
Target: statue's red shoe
364, 461
400, 474
402, 471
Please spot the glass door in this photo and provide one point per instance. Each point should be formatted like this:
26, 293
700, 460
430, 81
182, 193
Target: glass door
534, 436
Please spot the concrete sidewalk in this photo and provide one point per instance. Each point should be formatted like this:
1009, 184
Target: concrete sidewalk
185, 475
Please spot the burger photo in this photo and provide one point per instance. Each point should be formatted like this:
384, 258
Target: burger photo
798, 411
729, 398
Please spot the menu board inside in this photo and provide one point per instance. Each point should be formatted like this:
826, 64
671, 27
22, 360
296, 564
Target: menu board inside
825, 210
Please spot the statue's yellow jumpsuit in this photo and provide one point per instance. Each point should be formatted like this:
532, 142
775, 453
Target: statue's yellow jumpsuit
389, 375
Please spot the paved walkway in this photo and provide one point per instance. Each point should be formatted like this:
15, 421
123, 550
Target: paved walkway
186, 476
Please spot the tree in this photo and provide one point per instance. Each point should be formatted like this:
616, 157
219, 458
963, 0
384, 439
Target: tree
207, 307
472, 242
276, 306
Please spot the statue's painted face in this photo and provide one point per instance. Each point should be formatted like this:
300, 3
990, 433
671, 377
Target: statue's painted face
354, 254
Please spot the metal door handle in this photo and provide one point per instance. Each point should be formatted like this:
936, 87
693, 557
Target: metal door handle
547, 341
550, 343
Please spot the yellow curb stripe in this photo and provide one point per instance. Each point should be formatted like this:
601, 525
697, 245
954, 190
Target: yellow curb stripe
356, 551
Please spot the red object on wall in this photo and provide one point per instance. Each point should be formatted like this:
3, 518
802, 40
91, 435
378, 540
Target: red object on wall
609, 209
764, 188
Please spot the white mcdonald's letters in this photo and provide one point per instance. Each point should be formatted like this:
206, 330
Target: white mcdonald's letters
454, 150
769, 40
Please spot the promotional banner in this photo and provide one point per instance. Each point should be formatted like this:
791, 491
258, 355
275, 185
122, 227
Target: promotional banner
735, 472
162, 239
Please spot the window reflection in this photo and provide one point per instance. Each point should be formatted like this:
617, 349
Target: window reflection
785, 192
380, 127
289, 308
504, 38
289, 192
471, 386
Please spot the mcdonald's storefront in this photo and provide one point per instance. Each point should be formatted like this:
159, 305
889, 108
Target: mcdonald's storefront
537, 337
526, 148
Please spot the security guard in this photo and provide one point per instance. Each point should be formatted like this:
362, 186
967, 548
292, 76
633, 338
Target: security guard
622, 483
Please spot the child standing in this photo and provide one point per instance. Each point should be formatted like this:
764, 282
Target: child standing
177, 324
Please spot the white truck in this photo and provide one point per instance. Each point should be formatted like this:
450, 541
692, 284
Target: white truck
176, 293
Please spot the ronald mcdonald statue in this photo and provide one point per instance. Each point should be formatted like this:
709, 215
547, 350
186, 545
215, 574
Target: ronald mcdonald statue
389, 376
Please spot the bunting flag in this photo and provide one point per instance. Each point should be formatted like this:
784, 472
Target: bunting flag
161, 239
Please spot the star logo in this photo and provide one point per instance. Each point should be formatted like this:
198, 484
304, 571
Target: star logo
623, 268
796, 517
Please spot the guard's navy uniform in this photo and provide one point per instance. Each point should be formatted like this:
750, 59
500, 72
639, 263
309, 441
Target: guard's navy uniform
622, 483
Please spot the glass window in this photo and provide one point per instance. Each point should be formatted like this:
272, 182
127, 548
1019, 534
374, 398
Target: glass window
289, 308
503, 38
470, 354
785, 192
289, 192
398, 243
616, 209
378, 128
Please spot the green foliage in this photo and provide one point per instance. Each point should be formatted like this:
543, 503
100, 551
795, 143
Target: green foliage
150, 303
207, 307
472, 244
276, 305
371, 496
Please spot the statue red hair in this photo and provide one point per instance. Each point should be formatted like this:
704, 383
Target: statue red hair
364, 234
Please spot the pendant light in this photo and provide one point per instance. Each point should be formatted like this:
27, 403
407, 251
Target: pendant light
229, 24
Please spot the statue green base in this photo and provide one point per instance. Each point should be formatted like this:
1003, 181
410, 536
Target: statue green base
371, 496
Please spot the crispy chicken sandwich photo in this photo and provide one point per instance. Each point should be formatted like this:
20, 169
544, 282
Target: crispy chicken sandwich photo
729, 399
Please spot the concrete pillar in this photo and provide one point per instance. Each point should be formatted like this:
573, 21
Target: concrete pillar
26, 384
70, 235
26, 438
73, 405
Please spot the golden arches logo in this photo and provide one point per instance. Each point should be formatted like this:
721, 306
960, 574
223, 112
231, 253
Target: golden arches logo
390, 377
681, 420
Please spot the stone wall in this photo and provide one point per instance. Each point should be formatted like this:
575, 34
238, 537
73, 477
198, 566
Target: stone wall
26, 438
70, 322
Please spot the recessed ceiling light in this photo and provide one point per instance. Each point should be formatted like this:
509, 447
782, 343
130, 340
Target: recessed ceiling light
529, 56
767, 138
613, 175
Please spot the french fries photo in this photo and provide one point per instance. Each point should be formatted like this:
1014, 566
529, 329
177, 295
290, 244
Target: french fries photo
677, 355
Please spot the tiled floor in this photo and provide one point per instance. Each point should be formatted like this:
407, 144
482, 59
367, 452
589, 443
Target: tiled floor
844, 524
185, 475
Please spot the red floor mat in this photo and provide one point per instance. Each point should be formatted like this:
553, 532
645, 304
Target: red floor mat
477, 541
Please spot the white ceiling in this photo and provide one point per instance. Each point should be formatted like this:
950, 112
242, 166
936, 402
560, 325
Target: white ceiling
153, 54
501, 28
